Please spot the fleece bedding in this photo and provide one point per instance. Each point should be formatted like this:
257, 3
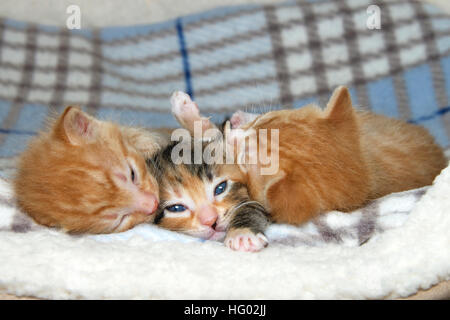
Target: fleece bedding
391, 248
245, 57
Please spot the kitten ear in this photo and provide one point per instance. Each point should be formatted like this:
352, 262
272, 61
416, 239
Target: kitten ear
340, 105
77, 127
241, 145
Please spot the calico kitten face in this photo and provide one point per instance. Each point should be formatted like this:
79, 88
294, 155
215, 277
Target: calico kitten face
83, 175
197, 199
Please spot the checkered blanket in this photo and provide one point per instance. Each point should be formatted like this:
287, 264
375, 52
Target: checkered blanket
231, 58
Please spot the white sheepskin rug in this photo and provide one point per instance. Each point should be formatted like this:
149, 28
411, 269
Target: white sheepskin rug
392, 248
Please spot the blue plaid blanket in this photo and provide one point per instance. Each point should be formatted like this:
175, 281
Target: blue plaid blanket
254, 58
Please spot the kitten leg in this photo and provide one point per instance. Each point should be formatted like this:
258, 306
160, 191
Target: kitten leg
187, 113
246, 229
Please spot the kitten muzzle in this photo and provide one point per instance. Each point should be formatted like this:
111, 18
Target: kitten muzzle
147, 203
207, 215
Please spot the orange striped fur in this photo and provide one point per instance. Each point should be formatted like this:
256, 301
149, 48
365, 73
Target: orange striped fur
76, 175
339, 158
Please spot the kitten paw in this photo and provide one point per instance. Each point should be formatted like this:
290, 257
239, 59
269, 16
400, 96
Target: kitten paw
243, 239
186, 111
182, 105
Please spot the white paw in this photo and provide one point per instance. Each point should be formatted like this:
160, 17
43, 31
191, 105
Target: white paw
183, 106
245, 240
187, 113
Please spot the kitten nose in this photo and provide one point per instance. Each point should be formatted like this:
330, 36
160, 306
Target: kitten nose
207, 215
147, 202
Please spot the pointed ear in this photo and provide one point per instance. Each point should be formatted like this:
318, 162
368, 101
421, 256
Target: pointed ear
340, 105
77, 127
242, 145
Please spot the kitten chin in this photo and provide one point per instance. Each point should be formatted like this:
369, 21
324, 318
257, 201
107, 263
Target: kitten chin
87, 175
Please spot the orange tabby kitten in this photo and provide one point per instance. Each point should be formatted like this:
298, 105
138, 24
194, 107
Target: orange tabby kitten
332, 159
340, 158
87, 175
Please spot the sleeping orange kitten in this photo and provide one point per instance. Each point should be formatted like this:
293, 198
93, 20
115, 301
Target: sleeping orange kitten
332, 159
87, 175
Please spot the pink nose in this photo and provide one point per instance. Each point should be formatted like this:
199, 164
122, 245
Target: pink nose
147, 202
207, 215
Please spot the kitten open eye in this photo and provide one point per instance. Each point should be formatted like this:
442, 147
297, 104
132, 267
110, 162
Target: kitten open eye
220, 188
176, 208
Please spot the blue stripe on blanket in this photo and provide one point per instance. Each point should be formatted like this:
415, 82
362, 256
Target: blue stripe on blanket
184, 55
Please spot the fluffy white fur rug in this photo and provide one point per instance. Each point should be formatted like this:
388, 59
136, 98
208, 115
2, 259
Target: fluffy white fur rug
396, 263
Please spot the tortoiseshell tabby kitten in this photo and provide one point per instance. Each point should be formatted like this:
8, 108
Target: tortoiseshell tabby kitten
207, 201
